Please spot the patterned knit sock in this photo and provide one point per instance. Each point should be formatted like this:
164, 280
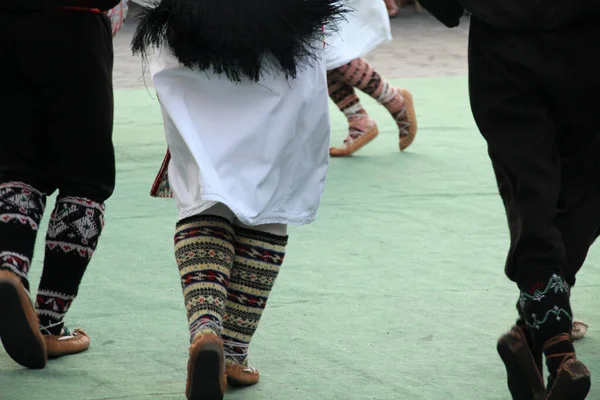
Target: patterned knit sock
258, 258
360, 74
546, 308
204, 251
73, 233
344, 96
21, 210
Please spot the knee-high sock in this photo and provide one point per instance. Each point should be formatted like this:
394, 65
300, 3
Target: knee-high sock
21, 210
344, 96
258, 258
204, 251
546, 309
360, 74
73, 233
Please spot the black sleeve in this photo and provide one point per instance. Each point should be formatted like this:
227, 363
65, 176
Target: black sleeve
447, 12
36, 5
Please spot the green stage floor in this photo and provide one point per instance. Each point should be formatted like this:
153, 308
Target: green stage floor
396, 292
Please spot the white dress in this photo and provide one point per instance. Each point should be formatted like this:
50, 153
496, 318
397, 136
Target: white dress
260, 149
366, 27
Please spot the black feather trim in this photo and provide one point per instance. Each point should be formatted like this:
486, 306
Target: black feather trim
239, 38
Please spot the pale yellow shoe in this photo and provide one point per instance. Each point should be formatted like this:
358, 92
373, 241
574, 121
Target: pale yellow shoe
579, 330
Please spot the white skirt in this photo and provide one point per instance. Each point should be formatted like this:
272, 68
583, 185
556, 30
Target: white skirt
366, 27
260, 149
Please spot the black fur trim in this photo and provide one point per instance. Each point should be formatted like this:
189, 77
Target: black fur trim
242, 39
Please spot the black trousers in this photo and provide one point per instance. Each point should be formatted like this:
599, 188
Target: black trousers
535, 98
56, 102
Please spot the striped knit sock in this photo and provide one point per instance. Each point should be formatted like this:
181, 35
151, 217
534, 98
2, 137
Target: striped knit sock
73, 233
258, 258
344, 96
204, 252
21, 210
360, 74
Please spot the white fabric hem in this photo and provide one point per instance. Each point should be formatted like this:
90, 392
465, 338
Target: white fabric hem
365, 52
275, 217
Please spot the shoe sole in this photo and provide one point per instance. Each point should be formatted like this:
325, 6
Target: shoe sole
24, 345
571, 384
521, 366
359, 143
207, 374
411, 117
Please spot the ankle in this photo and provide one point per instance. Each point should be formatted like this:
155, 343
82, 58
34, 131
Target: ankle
21, 276
205, 327
558, 349
236, 352
50, 328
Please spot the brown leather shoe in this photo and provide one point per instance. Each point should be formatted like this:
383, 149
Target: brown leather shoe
572, 381
362, 131
525, 380
206, 369
241, 375
67, 343
19, 324
408, 121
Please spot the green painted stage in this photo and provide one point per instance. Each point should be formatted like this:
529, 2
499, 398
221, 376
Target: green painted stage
396, 292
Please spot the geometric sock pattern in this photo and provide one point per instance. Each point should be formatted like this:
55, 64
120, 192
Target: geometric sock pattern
360, 74
73, 233
258, 259
344, 96
21, 211
204, 252
546, 305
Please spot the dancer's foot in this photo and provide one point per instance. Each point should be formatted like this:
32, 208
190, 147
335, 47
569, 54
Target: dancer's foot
579, 330
206, 369
242, 375
362, 130
572, 381
525, 380
67, 343
19, 325
402, 108
569, 380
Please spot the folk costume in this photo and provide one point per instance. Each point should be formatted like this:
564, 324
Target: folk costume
243, 92
530, 80
366, 28
52, 116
